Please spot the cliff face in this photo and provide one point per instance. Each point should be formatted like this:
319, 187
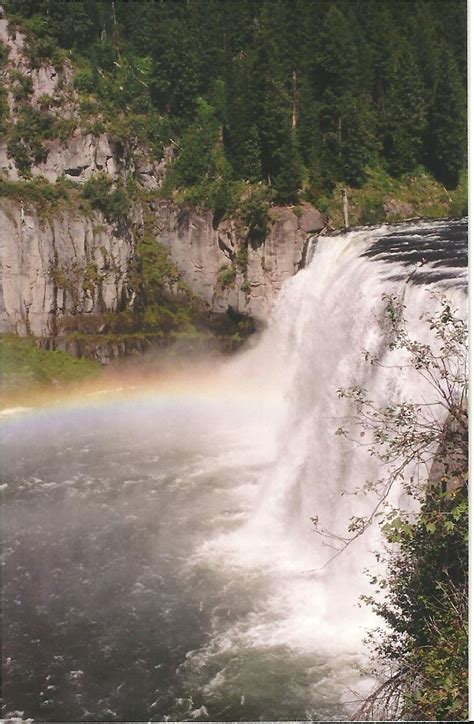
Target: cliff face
219, 264
54, 268
67, 261
70, 264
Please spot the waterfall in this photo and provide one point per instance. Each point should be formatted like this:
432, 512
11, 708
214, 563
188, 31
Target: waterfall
173, 522
324, 321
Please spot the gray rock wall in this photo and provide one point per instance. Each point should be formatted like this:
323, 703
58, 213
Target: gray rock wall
202, 254
69, 264
53, 268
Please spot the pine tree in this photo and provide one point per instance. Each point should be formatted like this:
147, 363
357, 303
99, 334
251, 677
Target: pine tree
404, 113
446, 144
346, 115
287, 180
241, 134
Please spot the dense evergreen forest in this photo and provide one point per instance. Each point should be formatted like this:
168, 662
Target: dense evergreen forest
297, 95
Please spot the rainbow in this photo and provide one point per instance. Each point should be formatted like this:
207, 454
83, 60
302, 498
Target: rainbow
172, 390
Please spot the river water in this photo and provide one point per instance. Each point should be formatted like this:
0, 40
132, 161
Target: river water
159, 557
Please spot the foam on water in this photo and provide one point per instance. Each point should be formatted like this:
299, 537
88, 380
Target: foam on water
177, 515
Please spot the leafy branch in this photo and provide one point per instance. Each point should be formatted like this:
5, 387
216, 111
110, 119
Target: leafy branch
409, 437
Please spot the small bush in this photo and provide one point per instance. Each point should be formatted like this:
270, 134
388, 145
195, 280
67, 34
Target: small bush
37, 191
22, 86
113, 201
3, 54
242, 258
27, 136
227, 276
254, 211
459, 197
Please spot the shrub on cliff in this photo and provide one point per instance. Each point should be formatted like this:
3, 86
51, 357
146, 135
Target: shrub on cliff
112, 200
383, 198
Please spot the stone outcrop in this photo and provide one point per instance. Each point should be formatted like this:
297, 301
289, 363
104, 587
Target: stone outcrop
83, 155
80, 158
221, 267
71, 264
394, 208
55, 268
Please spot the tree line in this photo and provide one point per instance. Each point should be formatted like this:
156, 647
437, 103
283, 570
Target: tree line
296, 94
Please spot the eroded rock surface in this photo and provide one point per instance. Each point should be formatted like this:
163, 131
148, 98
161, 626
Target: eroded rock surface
221, 266
71, 264
53, 268
58, 263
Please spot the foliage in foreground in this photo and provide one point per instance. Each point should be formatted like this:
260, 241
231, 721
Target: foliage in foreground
421, 653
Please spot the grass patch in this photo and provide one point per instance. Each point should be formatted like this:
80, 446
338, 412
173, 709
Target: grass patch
26, 368
38, 190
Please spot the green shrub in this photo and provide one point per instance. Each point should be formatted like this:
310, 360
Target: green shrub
227, 276
92, 277
26, 138
22, 85
112, 200
242, 258
459, 197
254, 212
45, 102
4, 110
37, 191
3, 54
41, 47
85, 79
156, 270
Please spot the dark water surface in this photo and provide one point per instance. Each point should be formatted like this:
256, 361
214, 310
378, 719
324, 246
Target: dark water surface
434, 252
107, 616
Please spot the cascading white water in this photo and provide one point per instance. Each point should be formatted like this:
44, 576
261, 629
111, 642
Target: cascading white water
324, 321
161, 563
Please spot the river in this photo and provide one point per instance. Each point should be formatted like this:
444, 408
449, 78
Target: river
160, 562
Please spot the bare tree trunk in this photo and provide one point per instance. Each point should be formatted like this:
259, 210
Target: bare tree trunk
345, 207
294, 115
116, 34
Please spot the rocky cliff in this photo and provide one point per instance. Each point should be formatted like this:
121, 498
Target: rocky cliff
52, 268
222, 267
65, 260
69, 263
